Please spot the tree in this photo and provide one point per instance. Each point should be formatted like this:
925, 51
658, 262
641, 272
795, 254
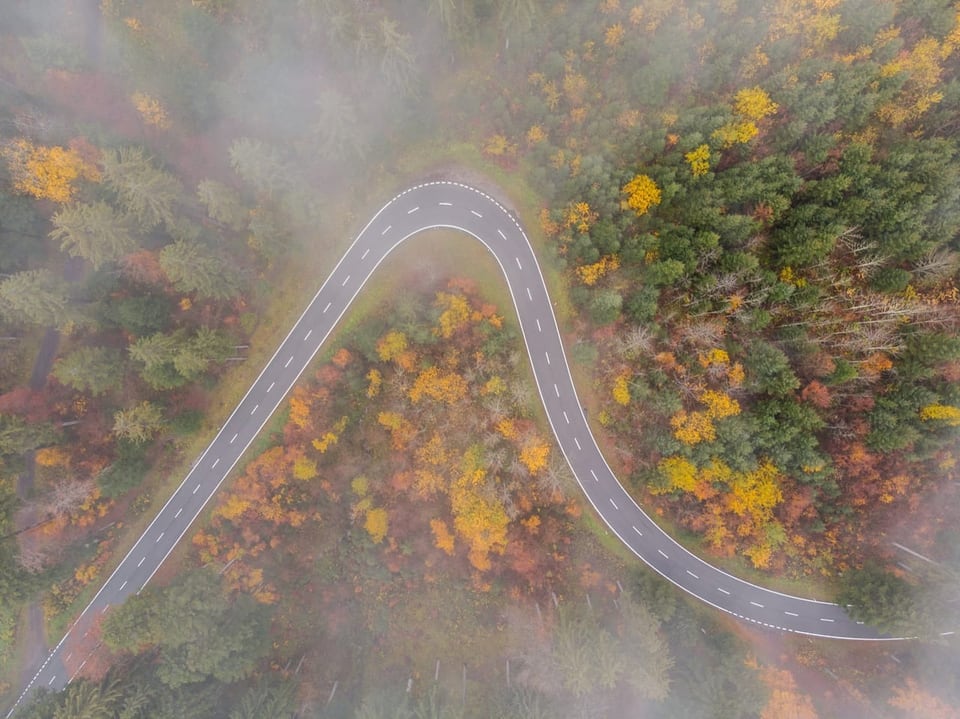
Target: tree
881, 599
338, 129
642, 194
198, 631
768, 370
94, 232
36, 297
46, 172
18, 436
223, 204
148, 193
138, 423
397, 60
90, 700
90, 369
263, 701
194, 268
260, 165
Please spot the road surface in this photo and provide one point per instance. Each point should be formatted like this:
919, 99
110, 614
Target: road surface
451, 205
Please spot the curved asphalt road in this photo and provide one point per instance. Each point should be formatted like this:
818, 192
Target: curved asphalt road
456, 206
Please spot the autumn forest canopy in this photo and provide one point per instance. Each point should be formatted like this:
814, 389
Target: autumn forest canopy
749, 215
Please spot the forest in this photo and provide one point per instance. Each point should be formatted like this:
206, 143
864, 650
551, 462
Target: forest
749, 213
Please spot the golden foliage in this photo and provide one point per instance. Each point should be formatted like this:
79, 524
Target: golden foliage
495, 385
534, 455
535, 135
589, 274
941, 412
621, 389
735, 133
391, 345
642, 194
693, 427
151, 110
377, 524
375, 380
455, 313
679, 473
614, 35
785, 701
443, 539
754, 104
499, 146
448, 387
47, 173
699, 160
719, 404
304, 468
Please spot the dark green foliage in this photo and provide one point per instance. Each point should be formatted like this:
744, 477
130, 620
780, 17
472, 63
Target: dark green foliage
768, 370
90, 369
127, 470
198, 632
882, 599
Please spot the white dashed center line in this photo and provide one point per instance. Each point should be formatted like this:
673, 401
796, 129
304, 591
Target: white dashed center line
547, 355
596, 478
123, 585
825, 619
556, 389
159, 538
413, 209
307, 336
215, 463
344, 283
386, 230
721, 589
270, 387
179, 512
636, 530
529, 294
234, 438
663, 554
692, 574
474, 212
196, 489
518, 262
566, 417
445, 204
757, 604
791, 614
287, 363
539, 328
500, 232
614, 504
142, 560
577, 442
327, 307
365, 253
255, 409
51, 680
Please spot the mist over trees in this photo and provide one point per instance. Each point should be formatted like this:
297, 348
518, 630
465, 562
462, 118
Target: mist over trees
750, 211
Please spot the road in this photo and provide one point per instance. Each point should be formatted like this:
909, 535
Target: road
451, 205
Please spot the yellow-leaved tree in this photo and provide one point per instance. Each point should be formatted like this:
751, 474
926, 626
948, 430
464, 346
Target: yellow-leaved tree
642, 194
47, 173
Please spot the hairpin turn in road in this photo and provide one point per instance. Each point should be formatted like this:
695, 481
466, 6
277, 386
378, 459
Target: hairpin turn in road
451, 205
